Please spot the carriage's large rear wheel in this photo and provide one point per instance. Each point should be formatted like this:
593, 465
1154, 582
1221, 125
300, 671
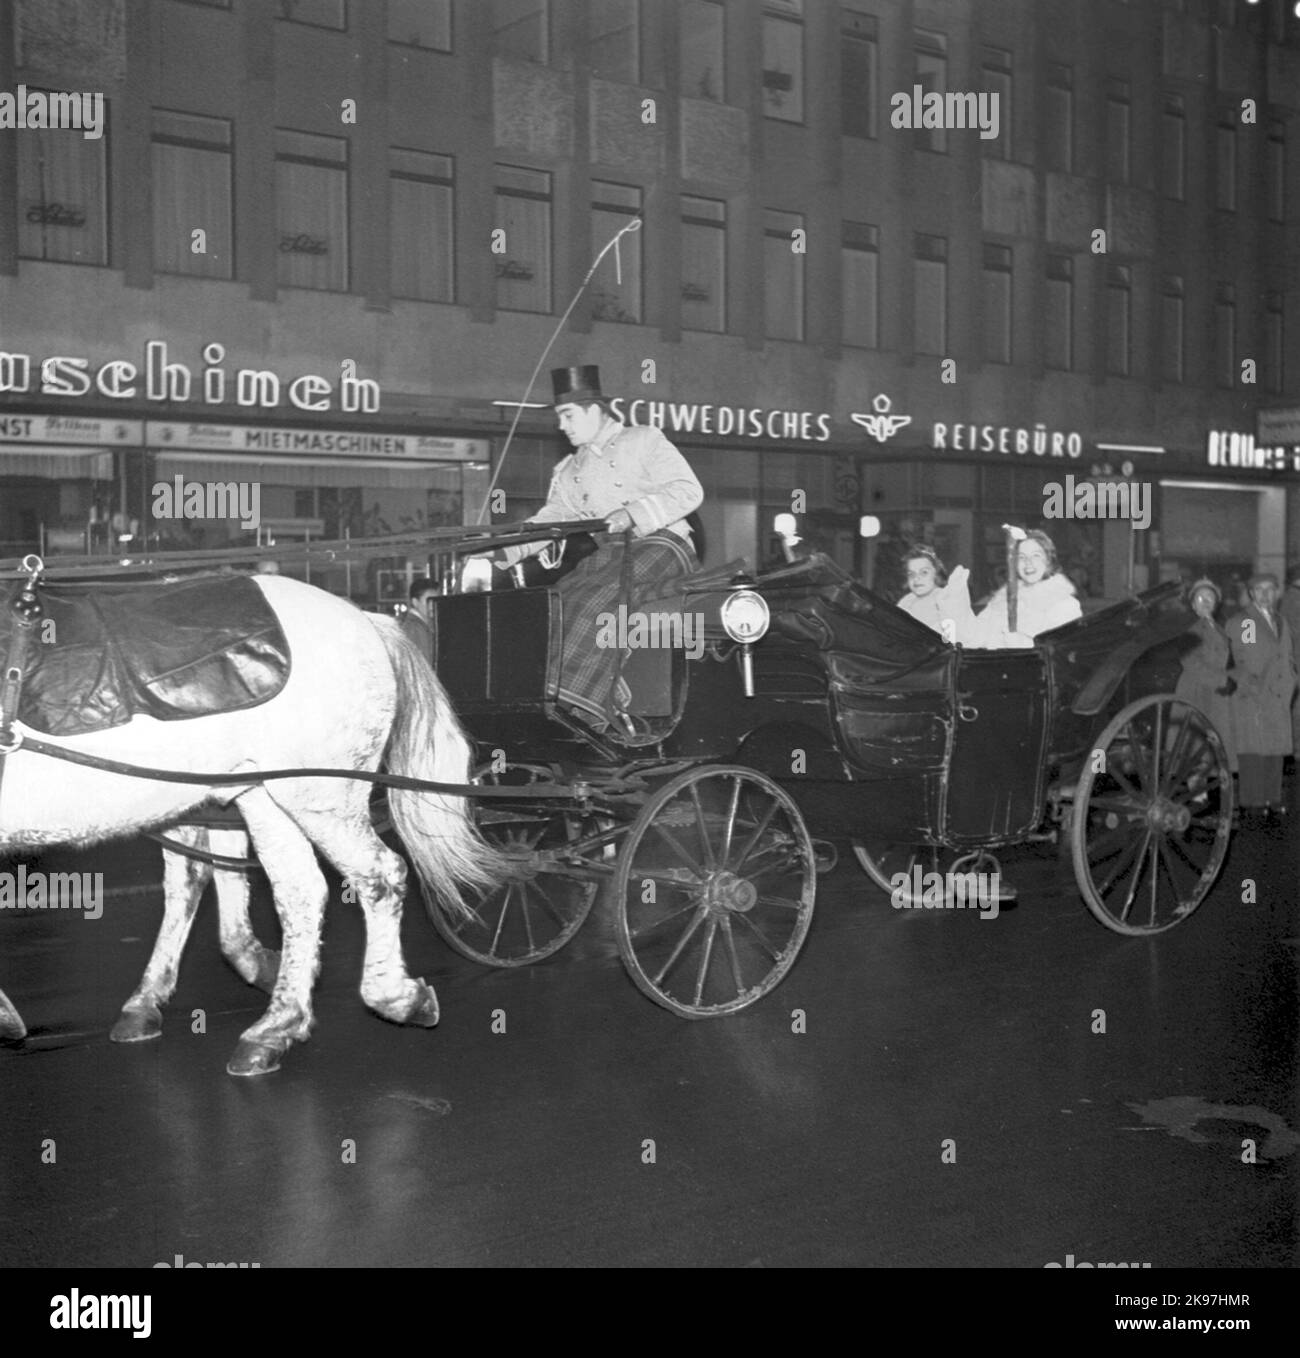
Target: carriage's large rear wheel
714, 891
547, 895
1152, 816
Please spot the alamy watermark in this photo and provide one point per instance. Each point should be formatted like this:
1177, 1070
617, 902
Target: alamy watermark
23, 890
953, 109
181, 499
638, 631
1085, 499
946, 891
53, 109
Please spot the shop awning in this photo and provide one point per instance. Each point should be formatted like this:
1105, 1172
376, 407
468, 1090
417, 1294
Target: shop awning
56, 464
377, 473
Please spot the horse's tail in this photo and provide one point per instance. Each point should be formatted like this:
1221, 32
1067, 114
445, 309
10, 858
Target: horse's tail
427, 742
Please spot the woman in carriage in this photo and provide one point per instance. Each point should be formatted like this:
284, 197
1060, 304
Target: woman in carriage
1045, 599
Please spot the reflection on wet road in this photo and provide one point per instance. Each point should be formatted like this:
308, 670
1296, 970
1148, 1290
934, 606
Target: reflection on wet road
958, 1092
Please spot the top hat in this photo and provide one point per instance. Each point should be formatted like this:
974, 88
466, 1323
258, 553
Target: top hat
576, 386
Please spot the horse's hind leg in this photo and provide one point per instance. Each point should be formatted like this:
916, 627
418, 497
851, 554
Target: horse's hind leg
299, 891
183, 882
239, 945
12, 1027
376, 877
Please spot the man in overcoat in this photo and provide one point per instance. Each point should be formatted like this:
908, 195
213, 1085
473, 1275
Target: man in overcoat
1290, 610
1265, 671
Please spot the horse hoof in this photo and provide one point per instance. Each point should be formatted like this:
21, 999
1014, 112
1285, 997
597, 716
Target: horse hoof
137, 1025
12, 1028
268, 968
424, 1011
253, 1058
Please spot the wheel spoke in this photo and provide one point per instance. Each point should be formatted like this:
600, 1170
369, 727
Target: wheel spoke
772, 952
1131, 894
783, 902
1176, 754
704, 961
1155, 748
681, 944
759, 829
675, 844
705, 838
642, 930
1155, 876
732, 955
729, 828
1125, 861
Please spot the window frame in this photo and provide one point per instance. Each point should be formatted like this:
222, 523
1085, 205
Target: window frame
423, 46
434, 181
229, 151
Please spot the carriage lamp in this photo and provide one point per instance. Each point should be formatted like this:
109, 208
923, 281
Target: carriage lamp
745, 619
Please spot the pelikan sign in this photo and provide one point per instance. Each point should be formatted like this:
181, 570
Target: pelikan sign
158, 378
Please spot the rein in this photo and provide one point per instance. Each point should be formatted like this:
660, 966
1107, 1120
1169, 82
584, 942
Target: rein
255, 776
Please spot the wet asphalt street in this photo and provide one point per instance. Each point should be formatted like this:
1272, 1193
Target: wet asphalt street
599, 1129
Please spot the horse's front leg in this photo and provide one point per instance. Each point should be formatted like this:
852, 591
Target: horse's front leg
298, 887
12, 1027
183, 882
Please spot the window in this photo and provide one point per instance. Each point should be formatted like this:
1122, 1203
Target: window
1225, 163
703, 44
1225, 335
311, 205
191, 192
612, 26
1118, 132
1274, 344
859, 73
1058, 338
930, 295
318, 13
996, 78
62, 197
1172, 330
1058, 135
612, 207
1173, 164
1119, 315
524, 214
420, 23
997, 304
1276, 171
783, 61
783, 275
421, 225
860, 265
930, 70
704, 264
521, 28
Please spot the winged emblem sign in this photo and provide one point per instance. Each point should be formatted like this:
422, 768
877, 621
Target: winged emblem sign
881, 425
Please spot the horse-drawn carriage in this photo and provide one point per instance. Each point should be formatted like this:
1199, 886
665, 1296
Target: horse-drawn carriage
813, 702
758, 707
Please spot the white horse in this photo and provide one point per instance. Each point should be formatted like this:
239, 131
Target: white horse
359, 690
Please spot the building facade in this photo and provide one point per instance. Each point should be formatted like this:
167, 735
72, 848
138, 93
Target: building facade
321, 245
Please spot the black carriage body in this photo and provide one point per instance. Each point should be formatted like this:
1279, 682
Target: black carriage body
868, 718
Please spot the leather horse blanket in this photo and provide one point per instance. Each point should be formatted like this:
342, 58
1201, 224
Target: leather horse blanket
170, 651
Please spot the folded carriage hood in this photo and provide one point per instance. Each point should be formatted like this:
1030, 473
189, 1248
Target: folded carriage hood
1090, 656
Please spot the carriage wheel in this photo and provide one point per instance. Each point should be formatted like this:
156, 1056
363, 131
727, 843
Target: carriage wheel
1152, 816
541, 904
714, 891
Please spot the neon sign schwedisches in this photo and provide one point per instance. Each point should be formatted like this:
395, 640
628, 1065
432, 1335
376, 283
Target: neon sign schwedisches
156, 379
741, 421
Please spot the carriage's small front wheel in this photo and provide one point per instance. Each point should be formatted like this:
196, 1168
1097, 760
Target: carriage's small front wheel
714, 891
546, 896
1152, 816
